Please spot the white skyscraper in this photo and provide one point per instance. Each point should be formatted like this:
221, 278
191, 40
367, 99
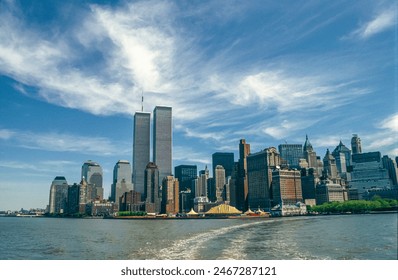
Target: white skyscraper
141, 149
162, 140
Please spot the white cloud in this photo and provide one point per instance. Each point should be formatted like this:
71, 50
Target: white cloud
189, 155
61, 142
286, 92
40, 166
381, 22
141, 47
6, 134
391, 123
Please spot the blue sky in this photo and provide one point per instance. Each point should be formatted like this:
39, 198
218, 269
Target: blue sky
72, 73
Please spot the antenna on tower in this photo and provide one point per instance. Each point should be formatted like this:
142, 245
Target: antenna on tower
142, 101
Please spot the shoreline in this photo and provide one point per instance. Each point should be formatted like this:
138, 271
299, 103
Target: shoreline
235, 217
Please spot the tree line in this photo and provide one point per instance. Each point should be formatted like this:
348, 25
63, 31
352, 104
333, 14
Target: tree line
356, 206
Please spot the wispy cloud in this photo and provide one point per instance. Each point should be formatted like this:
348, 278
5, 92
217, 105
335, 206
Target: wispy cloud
380, 23
6, 134
189, 155
103, 62
390, 123
41, 166
61, 142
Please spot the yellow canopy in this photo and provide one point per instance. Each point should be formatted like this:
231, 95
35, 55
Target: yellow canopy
223, 209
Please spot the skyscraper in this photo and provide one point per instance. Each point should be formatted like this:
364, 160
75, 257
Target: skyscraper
286, 186
241, 180
170, 195
58, 202
73, 198
162, 140
259, 171
356, 146
329, 166
309, 154
226, 160
368, 173
343, 158
151, 193
219, 176
92, 172
291, 154
201, 183
141, 149
121, 180
391, 166
185, 174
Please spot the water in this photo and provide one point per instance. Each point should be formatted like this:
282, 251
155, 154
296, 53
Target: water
372, 237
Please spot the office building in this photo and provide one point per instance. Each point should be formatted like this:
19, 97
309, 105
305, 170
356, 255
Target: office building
259, 172
342, 156
310, 155
219, 176
291, 155
131, 201
226, 160
391, 166
162, 140
151, 192
356, 146
170, 195
185, 174
121, 180
327, 191
368, 173
329, 166
73, 198
141, 149
58, 202
309, 180
186, 200
201, 183
92, 172
242, 184
286, 187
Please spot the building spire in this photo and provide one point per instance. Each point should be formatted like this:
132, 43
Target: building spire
142, 101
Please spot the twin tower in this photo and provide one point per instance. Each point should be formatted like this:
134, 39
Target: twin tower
162, 144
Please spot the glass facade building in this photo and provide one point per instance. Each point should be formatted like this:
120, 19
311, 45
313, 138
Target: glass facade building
226, 160
291, 154
92, 172
121, 180
185, 174
141, 149
162, 140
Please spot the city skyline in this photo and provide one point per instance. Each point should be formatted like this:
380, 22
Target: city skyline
71, 81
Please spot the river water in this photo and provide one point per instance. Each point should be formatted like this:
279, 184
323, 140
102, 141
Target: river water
335, 237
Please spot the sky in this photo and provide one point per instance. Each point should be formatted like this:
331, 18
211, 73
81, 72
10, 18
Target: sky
72, 74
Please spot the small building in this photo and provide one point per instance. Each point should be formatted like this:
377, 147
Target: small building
327, 191
282, 210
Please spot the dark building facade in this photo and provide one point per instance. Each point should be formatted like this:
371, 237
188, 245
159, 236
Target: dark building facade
152, 194
241, 179
131, 201
291, 154
185, 174
308, 184
226, 160
73, 198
